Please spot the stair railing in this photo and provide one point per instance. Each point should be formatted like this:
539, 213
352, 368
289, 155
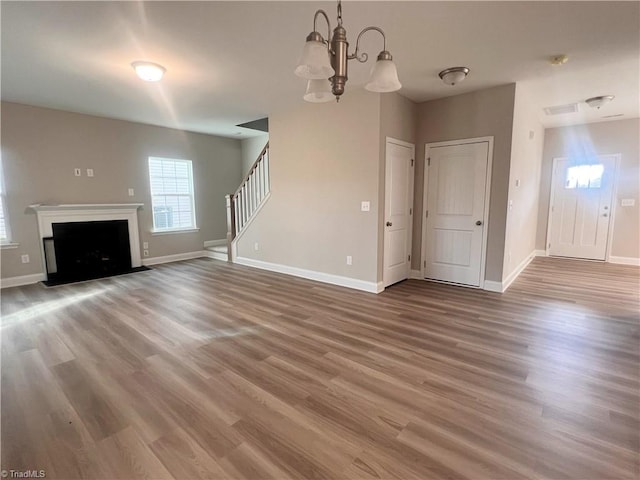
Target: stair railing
243, 204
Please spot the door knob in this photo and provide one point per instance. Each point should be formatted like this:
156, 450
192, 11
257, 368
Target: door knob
605, 214
479, 222
389, 224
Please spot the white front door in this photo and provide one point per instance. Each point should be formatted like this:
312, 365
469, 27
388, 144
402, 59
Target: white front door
581, 207
398, 206
455, 212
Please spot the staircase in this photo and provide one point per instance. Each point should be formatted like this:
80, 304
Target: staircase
243, 205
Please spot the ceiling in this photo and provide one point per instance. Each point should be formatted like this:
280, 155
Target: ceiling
232, 62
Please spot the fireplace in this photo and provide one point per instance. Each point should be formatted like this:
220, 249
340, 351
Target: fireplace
83, 242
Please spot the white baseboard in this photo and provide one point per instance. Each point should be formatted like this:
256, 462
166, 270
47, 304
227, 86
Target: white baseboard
540, 253
356, 284
217, 255
506, 283
625, 260
492, 286
215, 243
416, 274
23, 280
174, 258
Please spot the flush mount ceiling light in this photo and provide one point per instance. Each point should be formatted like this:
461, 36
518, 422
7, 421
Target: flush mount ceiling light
597, 102
148, 71
558, 60
327, 60
454, 75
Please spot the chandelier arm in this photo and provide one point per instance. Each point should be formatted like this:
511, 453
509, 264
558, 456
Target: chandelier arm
364, 57
326, 17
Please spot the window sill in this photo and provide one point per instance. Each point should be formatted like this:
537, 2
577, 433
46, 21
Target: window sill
169, 232
9, 245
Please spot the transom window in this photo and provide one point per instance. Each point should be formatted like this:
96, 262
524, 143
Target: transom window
584, 176
172, 194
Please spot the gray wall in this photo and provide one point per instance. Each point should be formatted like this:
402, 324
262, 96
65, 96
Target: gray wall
483, 113
324, 160
524, 182
251, 148
621, 137
41, 147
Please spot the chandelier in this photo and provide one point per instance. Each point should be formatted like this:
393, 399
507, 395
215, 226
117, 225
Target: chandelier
324, 63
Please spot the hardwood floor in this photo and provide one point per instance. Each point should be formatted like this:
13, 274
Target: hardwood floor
202, 369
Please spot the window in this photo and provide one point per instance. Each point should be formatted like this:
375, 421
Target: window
4, 223
584, 176
172, 194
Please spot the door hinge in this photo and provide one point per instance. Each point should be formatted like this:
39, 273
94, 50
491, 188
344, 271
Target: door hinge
412, 162
552, 208
427, 215
425, 264
549, 246
428, 161
408, 258
410, 211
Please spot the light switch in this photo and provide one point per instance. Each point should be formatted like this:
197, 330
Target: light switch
145, 245
628, 202
89, 172
365, 206
131, 192
517, 182
77, 172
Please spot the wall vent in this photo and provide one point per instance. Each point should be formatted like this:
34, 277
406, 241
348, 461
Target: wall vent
561, 109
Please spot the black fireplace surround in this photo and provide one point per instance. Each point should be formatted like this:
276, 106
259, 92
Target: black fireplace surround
87, 250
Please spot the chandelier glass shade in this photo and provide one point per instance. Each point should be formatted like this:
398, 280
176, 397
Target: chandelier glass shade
327, 60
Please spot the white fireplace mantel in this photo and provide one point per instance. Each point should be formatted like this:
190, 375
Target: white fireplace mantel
92, 212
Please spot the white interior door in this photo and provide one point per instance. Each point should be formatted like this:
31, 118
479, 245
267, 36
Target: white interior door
455, 212
581, 207
398, 206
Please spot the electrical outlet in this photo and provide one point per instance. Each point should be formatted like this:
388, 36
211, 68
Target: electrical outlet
89, 172
145, 253
25, 258
131, 192
77, 172
349, 260
256, 246
145, 245
365, 206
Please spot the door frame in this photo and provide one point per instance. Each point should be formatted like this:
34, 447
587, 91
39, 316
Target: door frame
614, 201
411, 186
487, 196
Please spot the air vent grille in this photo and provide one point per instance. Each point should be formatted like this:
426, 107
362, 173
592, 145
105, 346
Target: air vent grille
561, 109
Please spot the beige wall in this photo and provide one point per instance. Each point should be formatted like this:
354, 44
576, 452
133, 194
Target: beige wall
324, 160
398, 117
251, 148
621, 137
41, 147
524, 182
483, 113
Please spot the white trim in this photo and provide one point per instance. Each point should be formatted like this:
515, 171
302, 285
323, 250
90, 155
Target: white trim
169, 232
174, 258
9, 245
23, 280
410, 190
624, 260
38, 207
224, 257
215, 243
492, 286
354, 283
416, 274
487, 199
506, 283
540, 253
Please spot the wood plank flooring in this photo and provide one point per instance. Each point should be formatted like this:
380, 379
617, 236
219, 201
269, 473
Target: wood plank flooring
202, 369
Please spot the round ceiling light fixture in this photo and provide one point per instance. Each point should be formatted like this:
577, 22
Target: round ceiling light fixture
597, 102
454, 75
558, 60
149, 71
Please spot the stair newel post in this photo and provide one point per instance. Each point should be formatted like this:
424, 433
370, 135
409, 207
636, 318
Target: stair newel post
231, 221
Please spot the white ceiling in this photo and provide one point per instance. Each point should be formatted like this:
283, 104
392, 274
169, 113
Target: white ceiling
232, 62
